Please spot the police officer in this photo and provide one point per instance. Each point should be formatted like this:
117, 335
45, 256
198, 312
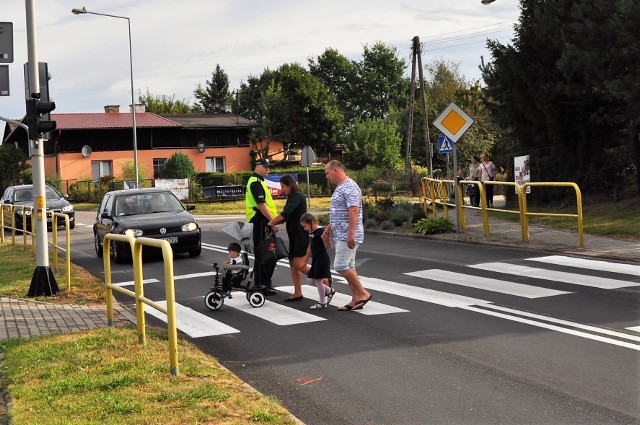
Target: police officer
260, 210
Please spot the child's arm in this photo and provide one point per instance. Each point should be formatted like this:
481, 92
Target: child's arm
304, 268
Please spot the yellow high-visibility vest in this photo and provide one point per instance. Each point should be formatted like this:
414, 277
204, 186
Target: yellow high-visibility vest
251, 204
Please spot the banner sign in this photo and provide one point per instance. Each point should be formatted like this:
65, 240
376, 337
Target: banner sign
273, 183
179, 187
521, 171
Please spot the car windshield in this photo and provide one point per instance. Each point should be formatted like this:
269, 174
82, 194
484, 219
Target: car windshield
147, 203
24, 195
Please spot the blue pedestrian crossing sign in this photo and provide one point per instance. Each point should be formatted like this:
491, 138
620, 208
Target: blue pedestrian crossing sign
446, 145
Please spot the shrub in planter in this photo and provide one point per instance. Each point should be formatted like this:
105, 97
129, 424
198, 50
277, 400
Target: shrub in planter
430, 226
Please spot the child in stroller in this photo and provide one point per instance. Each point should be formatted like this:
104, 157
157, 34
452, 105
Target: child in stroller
236, 271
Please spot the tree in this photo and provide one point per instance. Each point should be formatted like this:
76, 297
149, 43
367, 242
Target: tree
178, 166
576, 111
381, 84
372, 142
163, 104
212, 98
299, 109
12, 162
340, 76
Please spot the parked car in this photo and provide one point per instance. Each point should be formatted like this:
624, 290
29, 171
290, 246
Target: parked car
23, 195
149, 212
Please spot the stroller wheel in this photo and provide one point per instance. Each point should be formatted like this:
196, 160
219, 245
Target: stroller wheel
255, 298
214, 300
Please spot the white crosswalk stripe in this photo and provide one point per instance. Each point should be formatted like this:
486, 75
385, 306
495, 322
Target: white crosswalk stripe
194, 324
486, 284
605, 266
556, 276
198, 325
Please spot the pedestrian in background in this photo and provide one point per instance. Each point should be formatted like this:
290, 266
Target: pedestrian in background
473, 190
294, 208
346, 229
487, 173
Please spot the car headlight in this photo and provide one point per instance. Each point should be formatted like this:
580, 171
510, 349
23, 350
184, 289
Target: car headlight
189, 227
67, 209
20, 211
133, 232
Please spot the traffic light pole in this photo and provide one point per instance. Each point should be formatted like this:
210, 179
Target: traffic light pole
43, 281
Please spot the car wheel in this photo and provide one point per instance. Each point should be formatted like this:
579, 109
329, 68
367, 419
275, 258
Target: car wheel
97, 245
118, 254
196, 252
72, 225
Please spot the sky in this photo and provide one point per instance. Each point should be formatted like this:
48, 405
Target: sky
176, 44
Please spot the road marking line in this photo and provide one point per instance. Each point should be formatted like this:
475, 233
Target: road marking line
193, 275
194, 324
605, 266
273, 312
554, 328
589, 328
554, 275
372, 309
634, 329
486, 284
131, 282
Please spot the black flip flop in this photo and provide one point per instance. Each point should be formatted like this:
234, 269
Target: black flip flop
291, 299
359, 304
345, 308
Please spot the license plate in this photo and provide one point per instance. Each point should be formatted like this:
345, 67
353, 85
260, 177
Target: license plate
172, 239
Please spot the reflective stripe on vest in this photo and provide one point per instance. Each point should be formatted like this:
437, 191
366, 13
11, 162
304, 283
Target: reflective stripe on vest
250, 202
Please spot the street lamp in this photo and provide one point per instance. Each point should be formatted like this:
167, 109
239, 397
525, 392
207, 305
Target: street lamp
487, 2
83, 11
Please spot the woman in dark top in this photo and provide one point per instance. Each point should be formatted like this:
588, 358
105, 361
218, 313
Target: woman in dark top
293, 210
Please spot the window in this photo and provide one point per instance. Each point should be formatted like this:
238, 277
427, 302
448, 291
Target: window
158, 166
215, 164
101, 169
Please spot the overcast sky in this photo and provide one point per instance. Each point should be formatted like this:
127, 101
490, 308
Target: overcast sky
177, 43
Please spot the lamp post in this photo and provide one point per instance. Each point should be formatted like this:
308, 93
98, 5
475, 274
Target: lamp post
487, 2
83, 11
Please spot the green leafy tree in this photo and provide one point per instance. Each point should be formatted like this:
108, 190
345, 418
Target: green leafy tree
178, 166
576, 111
381, 83
372, 142
299, 109
163, 104
340, 75
12, 162
213, 97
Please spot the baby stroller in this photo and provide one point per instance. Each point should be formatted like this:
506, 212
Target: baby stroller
240, 275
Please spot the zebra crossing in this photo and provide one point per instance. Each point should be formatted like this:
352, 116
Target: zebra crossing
626, 276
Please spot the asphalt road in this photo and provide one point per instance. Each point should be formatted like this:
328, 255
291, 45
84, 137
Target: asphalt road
455, 334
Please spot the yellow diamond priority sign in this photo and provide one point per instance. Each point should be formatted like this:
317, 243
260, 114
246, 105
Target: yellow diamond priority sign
453, 122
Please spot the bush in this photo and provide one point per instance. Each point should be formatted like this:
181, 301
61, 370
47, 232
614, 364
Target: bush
430, 226
417, 213
323, 219
369, 223
387, 225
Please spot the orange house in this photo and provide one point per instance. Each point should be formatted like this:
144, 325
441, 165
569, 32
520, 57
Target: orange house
94, 145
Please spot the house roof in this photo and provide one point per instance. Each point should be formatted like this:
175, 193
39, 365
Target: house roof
200, 121
85, 121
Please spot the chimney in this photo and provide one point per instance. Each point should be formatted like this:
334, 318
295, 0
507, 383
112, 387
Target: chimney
112, 109
139, 107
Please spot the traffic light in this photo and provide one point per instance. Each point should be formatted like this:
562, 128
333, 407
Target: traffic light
37, 125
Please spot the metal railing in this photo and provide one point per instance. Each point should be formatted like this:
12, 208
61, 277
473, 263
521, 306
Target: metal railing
67, 247
138, 293
436, 192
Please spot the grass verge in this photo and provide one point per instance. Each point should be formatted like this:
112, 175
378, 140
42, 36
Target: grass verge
104, 376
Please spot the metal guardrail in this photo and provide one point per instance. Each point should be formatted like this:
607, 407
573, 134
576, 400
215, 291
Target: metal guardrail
11, 209
437, 192
67, 247
138, 294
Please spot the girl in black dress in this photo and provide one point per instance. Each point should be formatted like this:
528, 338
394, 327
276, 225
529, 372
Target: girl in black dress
320, 269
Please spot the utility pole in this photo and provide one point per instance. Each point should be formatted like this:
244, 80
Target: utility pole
43, 282
416, 61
